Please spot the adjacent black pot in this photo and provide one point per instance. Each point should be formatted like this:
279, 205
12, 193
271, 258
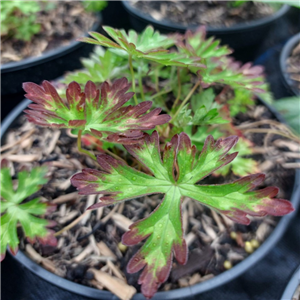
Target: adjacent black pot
237, 36
184, 293
49, 65
285, 53
292, 286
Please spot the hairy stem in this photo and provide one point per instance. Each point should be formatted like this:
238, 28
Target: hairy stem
132, 79
186, 100
83, 150
179, 89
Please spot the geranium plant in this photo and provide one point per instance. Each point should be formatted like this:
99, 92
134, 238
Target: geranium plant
190, 121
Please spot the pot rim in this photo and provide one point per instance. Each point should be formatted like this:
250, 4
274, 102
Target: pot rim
182, 293
291, 286
49, 55
246, 26
285, 52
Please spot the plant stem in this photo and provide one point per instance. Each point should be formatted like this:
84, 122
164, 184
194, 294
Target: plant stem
179, 89
83, 150
156, 72
114, 155
186, 100
141, 82
133, 79
160, 93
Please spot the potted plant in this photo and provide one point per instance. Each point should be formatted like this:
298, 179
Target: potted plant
239, 24
40, 38
98, 116
289, 65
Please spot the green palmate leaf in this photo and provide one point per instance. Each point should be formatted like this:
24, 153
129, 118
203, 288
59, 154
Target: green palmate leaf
196, 44
150, 45
227, 71
175, 175
101, 115
184, 117
199, 136
219, 67
101, 66
206, 98
205, 117
240, 101
14, 212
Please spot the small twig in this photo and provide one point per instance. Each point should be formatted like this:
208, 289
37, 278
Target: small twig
71, 224
65, 198
24, 137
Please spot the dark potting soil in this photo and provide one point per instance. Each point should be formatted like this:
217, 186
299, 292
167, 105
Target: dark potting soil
293, 67
212, 13
59, 26
95, 241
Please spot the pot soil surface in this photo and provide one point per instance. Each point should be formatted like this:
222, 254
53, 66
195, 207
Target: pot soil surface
212, 13
95, 242
293, 66
59, 26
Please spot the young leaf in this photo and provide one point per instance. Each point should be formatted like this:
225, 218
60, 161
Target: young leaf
13, 212
175, 175
101, 66
220, 68
103, 116
149, 45
196, 44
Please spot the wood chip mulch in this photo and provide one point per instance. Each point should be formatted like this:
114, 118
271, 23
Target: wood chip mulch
91, 252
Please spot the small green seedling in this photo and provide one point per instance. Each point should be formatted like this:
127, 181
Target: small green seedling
14, 211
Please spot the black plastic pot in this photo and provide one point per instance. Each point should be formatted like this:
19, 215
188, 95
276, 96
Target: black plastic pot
292, 286
183, 293
285, 53
49, 65
237, 36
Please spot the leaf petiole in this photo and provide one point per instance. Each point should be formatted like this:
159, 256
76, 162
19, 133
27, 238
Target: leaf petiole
186, 100
83, 150
179, 89
133, 79
140, 81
